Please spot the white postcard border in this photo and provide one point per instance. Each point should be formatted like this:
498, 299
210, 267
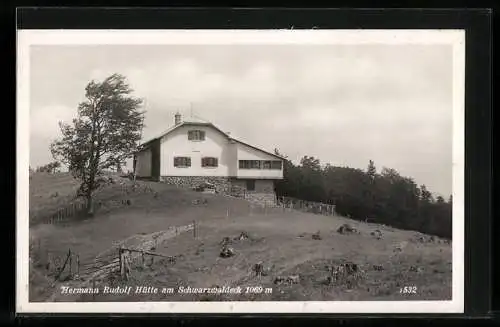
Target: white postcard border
26, 38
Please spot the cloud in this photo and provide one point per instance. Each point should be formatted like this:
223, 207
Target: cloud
44, 129
44, 120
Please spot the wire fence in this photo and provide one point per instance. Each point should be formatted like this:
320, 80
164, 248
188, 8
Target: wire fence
319, 208
61, 215
78, 207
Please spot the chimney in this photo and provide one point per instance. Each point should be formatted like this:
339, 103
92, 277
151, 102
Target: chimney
177, 118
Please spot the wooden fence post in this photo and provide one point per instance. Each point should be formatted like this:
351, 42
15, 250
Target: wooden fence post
120, 260
127, 265
194, 229
93, 288
78, 265
70, 263
64, 265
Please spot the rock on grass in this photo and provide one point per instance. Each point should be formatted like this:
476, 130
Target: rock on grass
346, 229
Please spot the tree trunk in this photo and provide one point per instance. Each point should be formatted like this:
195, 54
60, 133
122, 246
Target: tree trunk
90, 205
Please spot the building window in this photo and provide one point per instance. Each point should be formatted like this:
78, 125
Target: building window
209, 162
182, 162
260, 164
249, 164
250, 185
196, 135
276, 164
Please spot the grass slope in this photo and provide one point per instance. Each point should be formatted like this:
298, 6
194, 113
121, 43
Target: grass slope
281, 240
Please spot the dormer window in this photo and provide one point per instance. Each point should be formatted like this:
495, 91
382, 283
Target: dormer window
196, 135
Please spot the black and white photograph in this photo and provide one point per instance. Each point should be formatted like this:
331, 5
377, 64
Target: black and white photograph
240, 171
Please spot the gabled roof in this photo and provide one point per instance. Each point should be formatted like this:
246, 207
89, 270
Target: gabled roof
146, 145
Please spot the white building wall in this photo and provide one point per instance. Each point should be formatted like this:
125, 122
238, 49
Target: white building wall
143, 164
215, 144
245, 152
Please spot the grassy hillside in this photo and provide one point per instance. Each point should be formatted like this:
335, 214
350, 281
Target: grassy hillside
282, 241
48, 192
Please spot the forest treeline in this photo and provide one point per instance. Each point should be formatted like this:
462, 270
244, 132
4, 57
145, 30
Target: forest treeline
383, 196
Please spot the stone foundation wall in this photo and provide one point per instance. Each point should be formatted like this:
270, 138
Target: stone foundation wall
263, 193
264, 186
261, 198
222, 184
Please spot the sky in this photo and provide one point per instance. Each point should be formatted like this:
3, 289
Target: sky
343, 104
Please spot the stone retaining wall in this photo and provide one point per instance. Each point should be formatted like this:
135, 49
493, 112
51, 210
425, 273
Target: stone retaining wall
263, 194
222, 184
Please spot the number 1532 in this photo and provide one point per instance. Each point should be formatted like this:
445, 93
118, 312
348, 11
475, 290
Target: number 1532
408, 290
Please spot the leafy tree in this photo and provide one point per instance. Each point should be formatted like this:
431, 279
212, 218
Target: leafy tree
310, 163
387, 198
371, 171
311, 181
50, 168
106, 131
425, 195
